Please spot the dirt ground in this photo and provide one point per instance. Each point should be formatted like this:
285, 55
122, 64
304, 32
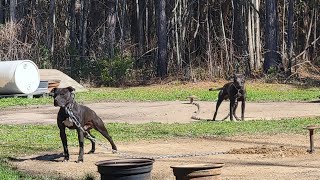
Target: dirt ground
245, 157
165, 112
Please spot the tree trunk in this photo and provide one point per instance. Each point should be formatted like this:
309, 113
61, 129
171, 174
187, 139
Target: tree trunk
83, 33
22, 8
306, 55
2, 11
111, 27
72, 47
240, 38
13, 6
224, 36
123, 26
52, 22
141, 4
251, 37
209, 48
290, 36
162, 37
272, 59
257, 34
315, 36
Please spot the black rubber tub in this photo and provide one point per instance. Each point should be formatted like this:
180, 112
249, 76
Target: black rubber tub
125, 169
210, 171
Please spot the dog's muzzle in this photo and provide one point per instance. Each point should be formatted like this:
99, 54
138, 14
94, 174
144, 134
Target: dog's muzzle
58, 103
55, 103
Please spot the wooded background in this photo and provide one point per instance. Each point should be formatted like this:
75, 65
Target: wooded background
112, 42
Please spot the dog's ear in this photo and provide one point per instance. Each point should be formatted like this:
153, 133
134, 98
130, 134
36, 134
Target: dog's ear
51, 93
53, 90
71, 89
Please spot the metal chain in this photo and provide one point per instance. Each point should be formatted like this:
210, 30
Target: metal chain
87, 135
126, 155
167, 156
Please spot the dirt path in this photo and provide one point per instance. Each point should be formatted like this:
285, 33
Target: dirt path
165, 112
248, 157
258, 157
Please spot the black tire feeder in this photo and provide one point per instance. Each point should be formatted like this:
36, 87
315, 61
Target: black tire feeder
125, 169
198, 171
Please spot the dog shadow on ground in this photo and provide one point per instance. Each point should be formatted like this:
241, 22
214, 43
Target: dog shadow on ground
46, 157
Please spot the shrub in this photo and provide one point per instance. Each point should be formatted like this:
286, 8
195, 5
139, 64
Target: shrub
115, 70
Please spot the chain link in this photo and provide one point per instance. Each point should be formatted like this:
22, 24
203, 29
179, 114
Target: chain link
126, 155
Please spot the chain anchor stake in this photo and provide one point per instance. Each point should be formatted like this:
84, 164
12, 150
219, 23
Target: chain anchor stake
311, 129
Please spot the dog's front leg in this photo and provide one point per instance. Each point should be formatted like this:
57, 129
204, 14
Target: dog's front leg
81, 142
64, 143
232, 103
235, 109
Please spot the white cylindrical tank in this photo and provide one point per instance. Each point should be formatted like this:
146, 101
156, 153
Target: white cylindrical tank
16, 77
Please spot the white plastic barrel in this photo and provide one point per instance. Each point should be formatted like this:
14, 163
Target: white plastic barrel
18, 77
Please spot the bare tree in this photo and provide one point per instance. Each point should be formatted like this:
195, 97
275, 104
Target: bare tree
83, 32
13, 6
111, 27
240, 38
72, 31
52, 22
272, 59
162, 37
2, 11
290, 36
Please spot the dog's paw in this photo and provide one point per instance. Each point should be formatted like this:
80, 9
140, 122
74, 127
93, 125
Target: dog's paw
91, 152
79, 161
114, 151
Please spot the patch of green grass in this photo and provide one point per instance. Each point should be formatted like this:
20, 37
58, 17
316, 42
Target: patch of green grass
281, 92
20, 101
256, 92
27, 139
6, 172
209, 129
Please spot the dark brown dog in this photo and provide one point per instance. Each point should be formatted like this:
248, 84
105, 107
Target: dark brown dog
234, 91
64, 98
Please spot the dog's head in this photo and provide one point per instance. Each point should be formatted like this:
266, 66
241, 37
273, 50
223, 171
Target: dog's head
239, 80
62, 96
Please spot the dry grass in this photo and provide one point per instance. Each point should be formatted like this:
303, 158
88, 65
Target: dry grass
10, 47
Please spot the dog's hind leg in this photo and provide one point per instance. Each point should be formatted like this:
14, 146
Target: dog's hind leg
235, 105
93, 144
99, 126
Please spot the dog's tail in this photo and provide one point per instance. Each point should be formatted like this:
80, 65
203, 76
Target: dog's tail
218, 89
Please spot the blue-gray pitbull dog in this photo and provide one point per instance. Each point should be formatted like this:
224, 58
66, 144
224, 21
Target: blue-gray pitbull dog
64, 98
234, 91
